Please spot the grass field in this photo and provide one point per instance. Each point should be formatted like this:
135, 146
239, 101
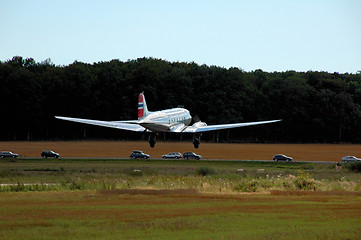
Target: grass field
177, 199
113, 214
122, 149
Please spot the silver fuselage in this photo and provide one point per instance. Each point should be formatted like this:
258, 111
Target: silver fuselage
172, 120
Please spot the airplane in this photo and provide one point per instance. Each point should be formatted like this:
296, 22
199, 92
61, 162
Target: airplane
174, 120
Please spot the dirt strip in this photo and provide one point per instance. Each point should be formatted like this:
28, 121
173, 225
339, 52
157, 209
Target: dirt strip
122, 149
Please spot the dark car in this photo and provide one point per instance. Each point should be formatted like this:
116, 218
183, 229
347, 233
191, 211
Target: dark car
281, 157
8, 155
175, 155
48, 153
191, 155
139, 154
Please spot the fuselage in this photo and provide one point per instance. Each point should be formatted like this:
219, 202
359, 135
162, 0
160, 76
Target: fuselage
171, 119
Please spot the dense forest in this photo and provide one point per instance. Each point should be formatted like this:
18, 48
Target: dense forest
314, 106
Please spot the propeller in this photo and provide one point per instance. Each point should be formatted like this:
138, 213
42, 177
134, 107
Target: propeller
195, 119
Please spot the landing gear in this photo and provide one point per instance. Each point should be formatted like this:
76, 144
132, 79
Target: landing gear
196, 140
152, 139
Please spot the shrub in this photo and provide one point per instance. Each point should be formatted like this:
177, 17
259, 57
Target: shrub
205, 171
246, 186
304, 181
355, 167
77, 185
17, 188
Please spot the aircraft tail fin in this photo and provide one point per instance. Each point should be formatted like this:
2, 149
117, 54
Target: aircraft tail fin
142, 107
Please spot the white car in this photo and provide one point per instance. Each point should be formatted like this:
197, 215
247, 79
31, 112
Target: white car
175, 155
350, 159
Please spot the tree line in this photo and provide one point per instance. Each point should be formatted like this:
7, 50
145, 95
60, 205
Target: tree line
314, 106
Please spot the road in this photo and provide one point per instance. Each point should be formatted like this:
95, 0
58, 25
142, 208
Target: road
161, 159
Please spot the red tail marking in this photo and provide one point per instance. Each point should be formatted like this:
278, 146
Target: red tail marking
140, 106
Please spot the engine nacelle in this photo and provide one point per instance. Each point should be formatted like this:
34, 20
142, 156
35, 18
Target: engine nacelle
199, 124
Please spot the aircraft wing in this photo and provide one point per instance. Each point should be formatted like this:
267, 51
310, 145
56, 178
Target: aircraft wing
206, 128
124, 125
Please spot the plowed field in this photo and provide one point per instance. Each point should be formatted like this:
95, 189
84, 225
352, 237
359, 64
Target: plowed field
122, 149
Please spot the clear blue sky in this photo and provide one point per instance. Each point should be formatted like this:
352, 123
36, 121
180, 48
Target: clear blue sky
301, 35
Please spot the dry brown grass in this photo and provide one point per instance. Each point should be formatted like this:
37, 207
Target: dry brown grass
91, 204
126, 215
149, 192
122, 149
314, 193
